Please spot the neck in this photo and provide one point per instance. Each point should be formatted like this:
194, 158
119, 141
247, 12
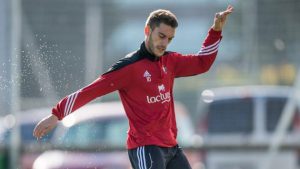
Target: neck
148, 47
146, 52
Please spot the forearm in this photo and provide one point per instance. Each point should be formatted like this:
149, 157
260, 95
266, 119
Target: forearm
81, 97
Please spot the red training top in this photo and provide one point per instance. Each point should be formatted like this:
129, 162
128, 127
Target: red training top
145, 86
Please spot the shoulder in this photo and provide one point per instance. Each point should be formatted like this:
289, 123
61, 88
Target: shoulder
171, 55
127, 60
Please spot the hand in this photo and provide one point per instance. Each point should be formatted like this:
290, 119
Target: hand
220, 18
44, 126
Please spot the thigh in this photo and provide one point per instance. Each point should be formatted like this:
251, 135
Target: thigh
147, 157
179, 161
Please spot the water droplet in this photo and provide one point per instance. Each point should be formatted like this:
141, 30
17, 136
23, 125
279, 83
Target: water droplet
9, 121
208, 96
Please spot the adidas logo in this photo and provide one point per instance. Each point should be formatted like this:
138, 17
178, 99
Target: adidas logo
147, 75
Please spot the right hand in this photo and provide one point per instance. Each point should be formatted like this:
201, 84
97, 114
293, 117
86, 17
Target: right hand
221, 17
44, 126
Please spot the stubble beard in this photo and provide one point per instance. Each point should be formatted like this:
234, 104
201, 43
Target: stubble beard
152, 47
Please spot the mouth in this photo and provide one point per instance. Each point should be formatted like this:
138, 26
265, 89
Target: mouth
161, 49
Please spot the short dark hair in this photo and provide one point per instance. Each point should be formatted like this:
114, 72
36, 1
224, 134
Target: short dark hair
161, 16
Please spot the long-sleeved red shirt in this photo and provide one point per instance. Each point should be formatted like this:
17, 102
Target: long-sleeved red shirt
145, 86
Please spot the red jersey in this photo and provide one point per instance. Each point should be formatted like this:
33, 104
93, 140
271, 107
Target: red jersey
145, 86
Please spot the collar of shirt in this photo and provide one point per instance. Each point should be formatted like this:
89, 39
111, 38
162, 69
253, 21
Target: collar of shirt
143, 52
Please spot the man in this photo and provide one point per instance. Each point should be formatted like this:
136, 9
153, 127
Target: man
144, 80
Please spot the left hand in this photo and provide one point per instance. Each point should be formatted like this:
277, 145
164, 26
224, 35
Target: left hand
44, 126
221, 17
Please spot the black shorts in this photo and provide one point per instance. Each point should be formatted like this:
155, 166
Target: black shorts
155, 157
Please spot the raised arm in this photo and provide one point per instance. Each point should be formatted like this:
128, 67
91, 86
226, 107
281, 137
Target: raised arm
193, 64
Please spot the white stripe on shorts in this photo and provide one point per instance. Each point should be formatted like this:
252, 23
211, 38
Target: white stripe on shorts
141, 157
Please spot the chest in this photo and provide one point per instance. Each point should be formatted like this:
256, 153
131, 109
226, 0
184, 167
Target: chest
153, 76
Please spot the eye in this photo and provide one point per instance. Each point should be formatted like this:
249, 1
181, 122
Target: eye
162, 36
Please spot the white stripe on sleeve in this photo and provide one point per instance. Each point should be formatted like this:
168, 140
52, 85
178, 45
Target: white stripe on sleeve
212, 45
70, 103
208, 50
71, 107
208, 53
67, 105
71, 97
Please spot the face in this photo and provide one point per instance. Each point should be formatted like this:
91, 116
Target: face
158, 39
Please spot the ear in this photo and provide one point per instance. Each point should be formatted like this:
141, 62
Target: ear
147, 30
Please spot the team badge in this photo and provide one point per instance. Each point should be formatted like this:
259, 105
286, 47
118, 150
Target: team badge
164, 69
161, 88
